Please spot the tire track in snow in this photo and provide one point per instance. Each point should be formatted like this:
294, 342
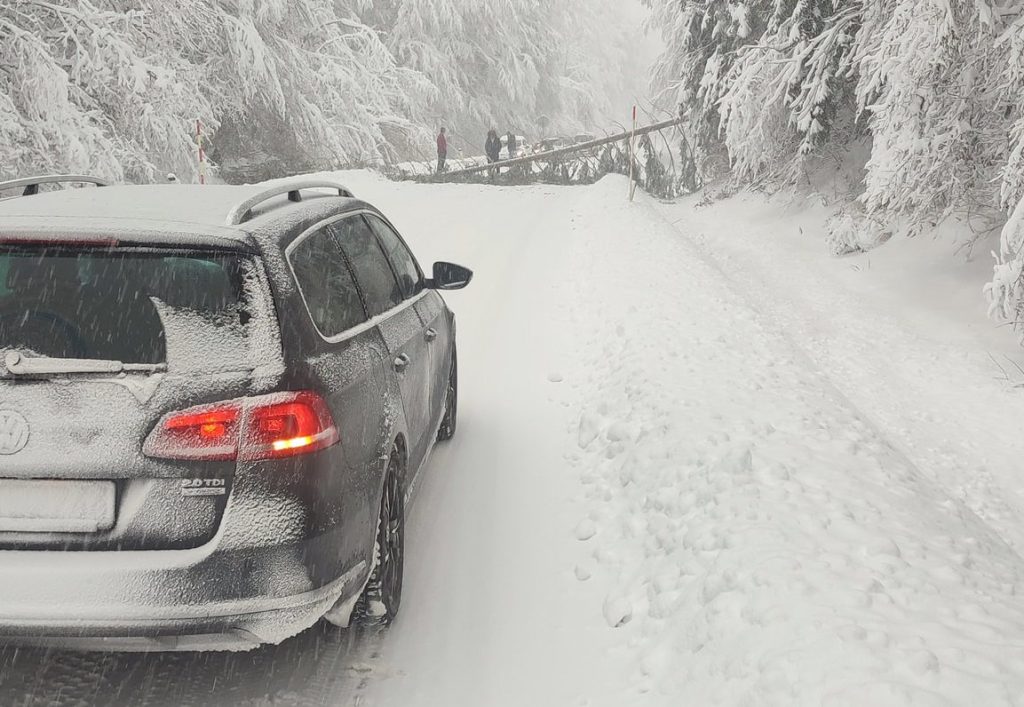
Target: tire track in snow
953, 444
768, 320
494, 616
323, 666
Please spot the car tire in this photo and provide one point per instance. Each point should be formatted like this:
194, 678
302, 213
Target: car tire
380, 601
451, 403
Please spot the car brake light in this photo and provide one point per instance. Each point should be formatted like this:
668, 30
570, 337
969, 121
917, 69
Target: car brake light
247, 429
286, 425
209, 432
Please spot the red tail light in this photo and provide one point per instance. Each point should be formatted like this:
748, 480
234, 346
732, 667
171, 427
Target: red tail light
285, 425
209, 432
266, 427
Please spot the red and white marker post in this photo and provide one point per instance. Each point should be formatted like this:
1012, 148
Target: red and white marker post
632, 160
201, 151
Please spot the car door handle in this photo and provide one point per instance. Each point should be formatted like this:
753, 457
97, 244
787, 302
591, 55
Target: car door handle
430, 334
401, 362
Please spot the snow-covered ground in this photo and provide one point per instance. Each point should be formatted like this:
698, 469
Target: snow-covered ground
901, 331
423, 168
701, 466
699, 463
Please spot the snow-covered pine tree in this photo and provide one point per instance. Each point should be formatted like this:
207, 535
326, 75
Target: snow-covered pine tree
1005, 292
319, 87
929, 89
935, 86
81, 91
88, 88
493, 62
766, 79
702, 37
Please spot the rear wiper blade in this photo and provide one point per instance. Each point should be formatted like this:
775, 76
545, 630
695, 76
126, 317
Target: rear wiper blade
20, 365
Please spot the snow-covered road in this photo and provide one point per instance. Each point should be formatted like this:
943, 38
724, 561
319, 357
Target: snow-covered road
659, 495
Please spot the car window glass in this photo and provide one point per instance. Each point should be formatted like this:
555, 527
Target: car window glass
409, 276
371, 267
130, 306
326, 284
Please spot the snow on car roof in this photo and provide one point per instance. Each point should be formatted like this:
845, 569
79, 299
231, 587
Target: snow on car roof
170, 202
75, 229
163, 213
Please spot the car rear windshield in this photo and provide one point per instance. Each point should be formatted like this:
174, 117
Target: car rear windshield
129, 305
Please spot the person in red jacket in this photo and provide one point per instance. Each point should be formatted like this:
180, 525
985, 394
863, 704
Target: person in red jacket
442, 151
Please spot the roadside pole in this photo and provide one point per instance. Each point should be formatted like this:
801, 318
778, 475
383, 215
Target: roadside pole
201, 151
632, 161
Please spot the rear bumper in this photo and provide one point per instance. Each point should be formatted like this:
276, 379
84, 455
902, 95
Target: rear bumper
174, 600
295, 540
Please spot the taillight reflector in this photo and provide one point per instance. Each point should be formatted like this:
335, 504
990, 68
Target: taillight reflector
265, 427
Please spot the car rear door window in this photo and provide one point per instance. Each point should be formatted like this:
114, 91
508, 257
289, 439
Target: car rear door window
129, 305
410, 277
326, 283
373, 272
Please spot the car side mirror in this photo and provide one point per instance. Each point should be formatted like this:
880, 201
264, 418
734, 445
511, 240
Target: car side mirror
449, 276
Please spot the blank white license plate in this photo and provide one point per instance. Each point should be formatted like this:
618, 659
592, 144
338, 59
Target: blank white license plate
56, 506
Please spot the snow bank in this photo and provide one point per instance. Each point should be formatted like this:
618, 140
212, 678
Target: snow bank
901, 332
759, 539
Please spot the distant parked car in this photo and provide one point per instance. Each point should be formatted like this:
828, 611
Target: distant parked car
522, 146
583, 138
214, 402
551, 143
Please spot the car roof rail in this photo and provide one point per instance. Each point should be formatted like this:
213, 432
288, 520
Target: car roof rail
30, 185
293, 188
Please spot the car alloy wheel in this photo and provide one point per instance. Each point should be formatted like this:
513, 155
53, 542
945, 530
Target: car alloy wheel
380, 602
451, 405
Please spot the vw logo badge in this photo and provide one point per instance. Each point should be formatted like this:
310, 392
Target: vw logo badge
13, 432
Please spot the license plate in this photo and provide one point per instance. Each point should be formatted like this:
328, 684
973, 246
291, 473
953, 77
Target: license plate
56, 506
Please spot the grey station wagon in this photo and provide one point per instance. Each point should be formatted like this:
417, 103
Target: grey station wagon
214, 402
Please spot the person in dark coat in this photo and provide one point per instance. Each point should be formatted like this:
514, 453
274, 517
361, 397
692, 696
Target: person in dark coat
493, 146
512, 144
493, 149
442, 150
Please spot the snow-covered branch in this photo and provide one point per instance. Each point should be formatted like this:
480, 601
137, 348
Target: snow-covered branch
932, 85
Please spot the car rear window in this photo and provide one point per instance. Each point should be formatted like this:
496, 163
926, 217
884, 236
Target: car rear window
192, 308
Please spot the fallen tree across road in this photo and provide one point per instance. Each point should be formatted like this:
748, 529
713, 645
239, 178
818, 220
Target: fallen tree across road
585, 163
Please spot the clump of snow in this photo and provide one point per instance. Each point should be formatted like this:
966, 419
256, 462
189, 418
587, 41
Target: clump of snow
586, 530
618, 611
589, 429
852, 231
243, 337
